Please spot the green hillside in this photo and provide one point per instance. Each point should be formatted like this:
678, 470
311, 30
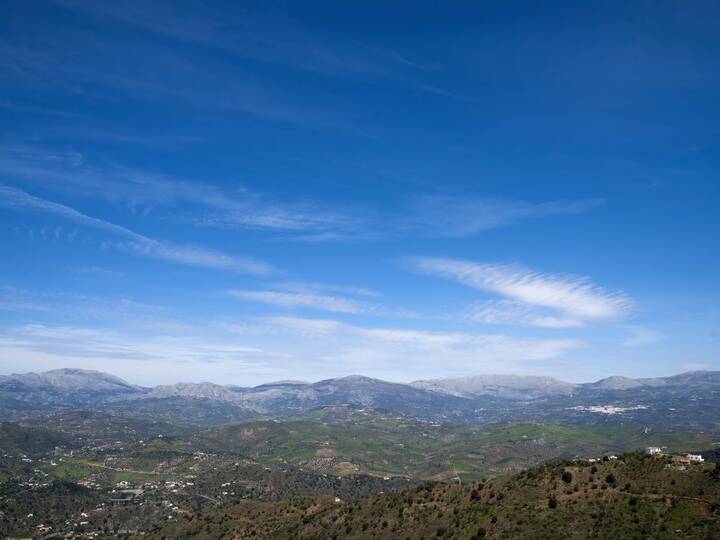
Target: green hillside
635, 496
342, 440
31, 441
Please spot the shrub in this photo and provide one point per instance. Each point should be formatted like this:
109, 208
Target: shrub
567, 477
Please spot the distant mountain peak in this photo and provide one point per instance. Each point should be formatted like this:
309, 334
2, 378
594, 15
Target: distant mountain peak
503, 386
70, 379
203, 390
357, 378
477, 398
616, 382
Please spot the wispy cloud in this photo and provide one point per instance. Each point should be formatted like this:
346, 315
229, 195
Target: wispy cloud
151, 70
12, 299
303, 286
200, 203
74, 306
252, 46
293, 300
139, 358
640, 336
276, 40
261, 347
331, 298
305, 220
576, 299
506, 347
456, 217
101, 272
513, 312
388, 348
17, 199
207, 205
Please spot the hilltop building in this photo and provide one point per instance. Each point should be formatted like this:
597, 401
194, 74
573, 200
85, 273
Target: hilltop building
688, 458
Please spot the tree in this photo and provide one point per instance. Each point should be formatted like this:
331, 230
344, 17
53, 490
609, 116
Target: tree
567, 477
715, 474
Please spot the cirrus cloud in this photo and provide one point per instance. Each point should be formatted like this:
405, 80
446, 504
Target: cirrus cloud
571, 300
19, 200
308, 300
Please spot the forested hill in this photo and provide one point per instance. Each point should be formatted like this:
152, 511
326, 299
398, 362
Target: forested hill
635, 496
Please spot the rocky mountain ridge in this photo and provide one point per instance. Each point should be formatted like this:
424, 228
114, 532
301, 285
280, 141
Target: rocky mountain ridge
657, 402
82, 380
502, 386
68, 380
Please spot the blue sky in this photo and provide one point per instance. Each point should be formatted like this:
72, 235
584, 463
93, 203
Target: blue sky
301, 190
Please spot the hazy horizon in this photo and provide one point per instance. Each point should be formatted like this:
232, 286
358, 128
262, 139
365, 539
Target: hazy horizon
243, 194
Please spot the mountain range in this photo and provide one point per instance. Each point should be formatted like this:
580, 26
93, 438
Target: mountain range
478, 398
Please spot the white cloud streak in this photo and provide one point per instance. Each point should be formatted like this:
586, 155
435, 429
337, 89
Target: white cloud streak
19, 200
402, 344
577, 299
204, 204
259, 348
304, 300
512, 312
459, 217
75, 306
300, 286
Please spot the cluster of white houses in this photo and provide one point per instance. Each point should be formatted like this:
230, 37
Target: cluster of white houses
687, 458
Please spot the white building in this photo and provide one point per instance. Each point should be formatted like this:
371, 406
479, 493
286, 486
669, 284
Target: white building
653, 450
695, 458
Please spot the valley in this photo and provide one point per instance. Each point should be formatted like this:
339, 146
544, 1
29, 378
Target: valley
91, 462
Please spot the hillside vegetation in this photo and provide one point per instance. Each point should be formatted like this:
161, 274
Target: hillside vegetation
111, 475
344, 440
635, 496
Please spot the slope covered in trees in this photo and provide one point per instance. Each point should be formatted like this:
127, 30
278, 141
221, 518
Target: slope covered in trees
635, 496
